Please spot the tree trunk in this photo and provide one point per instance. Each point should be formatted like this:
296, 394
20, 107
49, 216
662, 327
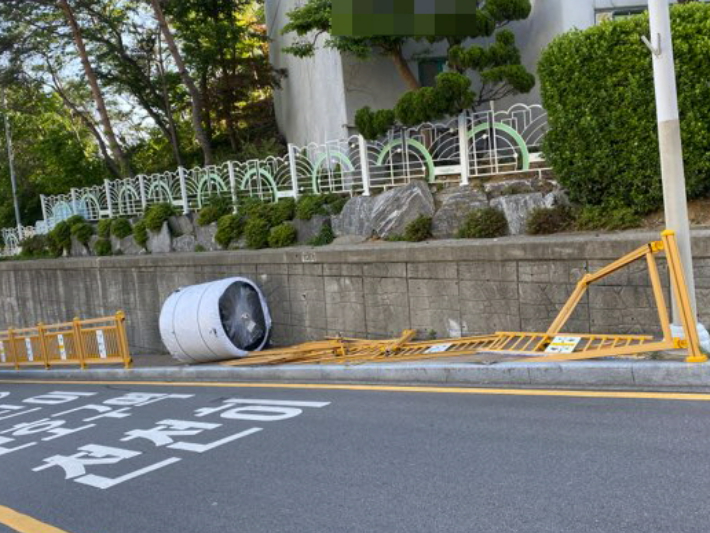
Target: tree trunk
88, 122
206, 105
404, 71
196, 97
167, 108
113, 143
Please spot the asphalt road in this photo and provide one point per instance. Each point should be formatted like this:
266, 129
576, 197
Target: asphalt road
221, 459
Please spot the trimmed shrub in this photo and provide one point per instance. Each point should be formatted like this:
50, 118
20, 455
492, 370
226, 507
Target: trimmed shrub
309, 206
597, 87
215, 208
156, 215
606, 218
82, 231
547, 220
121, 228
103, 230
283, 235
59, 239
283, 211
418, 229
256, 232
34, 247
103, 247
140, 234
229, 229
75, 219
486, 223
325, 236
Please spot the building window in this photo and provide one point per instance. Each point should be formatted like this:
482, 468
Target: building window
619, 14
429, 69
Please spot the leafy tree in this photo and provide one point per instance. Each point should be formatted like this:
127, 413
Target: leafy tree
498, 65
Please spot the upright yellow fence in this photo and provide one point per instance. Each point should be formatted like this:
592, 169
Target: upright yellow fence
98, 341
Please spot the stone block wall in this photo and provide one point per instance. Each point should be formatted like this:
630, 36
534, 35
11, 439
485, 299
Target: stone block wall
442, 288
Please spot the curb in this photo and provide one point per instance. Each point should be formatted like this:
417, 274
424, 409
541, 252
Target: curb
612, 374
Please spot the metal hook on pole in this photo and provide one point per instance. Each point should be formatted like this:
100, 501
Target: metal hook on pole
656, 49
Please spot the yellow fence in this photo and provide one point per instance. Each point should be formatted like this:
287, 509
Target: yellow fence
97, 341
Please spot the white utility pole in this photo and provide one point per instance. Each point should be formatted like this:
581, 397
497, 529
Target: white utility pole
674, 193
11, 163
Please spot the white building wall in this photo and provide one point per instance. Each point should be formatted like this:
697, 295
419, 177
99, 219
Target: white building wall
321, 96
310, 106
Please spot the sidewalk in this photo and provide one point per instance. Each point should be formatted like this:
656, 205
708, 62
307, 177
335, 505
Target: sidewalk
622, 375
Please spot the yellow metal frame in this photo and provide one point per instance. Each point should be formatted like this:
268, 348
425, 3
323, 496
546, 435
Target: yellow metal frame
341, 350
68, 343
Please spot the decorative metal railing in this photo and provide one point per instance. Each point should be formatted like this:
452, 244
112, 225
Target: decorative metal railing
470, 146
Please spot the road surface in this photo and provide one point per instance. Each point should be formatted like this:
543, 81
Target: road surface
134, 458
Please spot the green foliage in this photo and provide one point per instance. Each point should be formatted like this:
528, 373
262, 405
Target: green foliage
103, 229
156, 215
59, 239
283, 235
121, 228
82, 231
607, 218
35, 247
215, 208
140, 234
282, 211
374, 124
335, 203
75, 219
103, 248
597, 86
418, 229
486, 223
256, 232
325, 236
309, 206
229, 229
548, 220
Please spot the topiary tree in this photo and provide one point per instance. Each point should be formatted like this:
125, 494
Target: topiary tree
156, 215
229, 229
497, 66
256, 232
121, 228
140, 234
597, 87
283, 235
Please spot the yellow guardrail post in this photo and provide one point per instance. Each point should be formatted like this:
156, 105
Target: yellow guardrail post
13, 348
123, 339
680, 289
43, 345
79, 342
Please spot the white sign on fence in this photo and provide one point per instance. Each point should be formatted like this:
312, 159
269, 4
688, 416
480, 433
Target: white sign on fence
3, 357
563, 345
101, 341
62, 347
30, 351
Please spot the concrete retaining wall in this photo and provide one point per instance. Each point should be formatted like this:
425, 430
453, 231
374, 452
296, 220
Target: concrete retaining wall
447, 288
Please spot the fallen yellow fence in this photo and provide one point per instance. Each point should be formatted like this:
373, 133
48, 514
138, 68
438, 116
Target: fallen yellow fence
97, 341
551, 345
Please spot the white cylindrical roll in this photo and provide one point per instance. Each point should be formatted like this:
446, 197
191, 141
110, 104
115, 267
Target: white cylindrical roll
215, 321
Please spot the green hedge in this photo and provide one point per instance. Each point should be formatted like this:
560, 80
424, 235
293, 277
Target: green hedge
597, 87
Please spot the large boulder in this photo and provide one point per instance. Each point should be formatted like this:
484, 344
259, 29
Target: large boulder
184, 243
204, 236
128, 246
456, 204
160, 242
355, 218
393, 210
517, 208
78, 249
181, 225
308, 229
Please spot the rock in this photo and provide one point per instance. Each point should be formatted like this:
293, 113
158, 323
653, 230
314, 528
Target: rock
517, 208
181, 225
205, 237
78, 249
510, 187
346, 240
394, 210
115, 244
128, 246
160, 242
184, 243
355, 218
308, 229
92, 244
457, 203
558, 197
